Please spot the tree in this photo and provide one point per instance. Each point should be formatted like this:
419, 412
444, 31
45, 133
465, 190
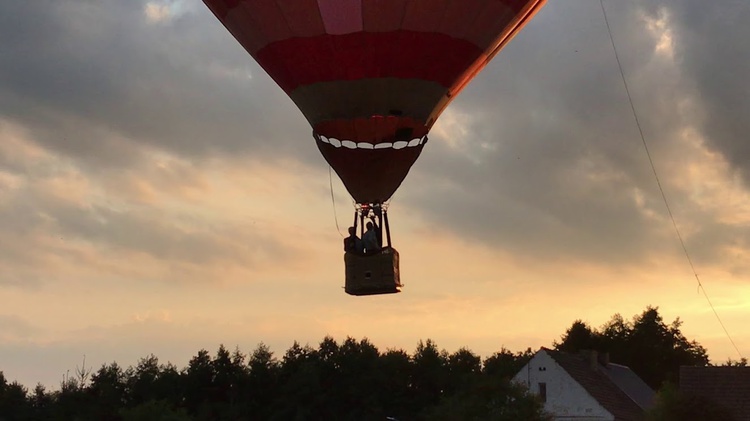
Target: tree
230, 378
71, 401
614, 334
657, 350
429, 374
358, 384
300, 386
262, 382
42, 403
397, 397
169, 385
488, 399
154, 411
742, 362
463, 367
651, 348
505, 364
351, 380
109, 391
464, 362
14, 404
579, 336
142, 379
672, 405
198, 383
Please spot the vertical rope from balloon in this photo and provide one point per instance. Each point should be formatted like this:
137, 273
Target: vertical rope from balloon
333, 201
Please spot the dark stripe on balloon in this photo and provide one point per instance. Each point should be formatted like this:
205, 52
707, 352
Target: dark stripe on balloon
351, 99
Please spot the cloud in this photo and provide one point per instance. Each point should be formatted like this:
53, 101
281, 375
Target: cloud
546, 161
545, 135
159, 193
62, 218
14, 328
156, 12
552, 152
96, 80
710, 51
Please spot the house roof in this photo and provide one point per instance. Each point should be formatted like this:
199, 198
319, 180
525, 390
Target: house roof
726, 386
631, 384
614, 386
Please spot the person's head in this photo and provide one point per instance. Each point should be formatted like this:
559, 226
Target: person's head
369, 226
352, 231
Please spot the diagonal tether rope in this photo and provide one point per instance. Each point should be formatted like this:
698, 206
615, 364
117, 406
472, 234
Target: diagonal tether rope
658, 183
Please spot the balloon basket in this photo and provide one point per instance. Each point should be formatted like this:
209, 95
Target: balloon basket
372, 274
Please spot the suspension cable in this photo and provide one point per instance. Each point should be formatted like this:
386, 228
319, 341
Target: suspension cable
333, 202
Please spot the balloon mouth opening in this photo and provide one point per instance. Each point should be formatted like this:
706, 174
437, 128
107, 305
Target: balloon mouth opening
350, 144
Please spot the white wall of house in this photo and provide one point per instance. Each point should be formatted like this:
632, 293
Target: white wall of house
565, 398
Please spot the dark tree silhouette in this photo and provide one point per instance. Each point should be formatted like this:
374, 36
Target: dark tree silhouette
488, 399
154, 411
42, 403
109, 391
429, 374
198, 382
300, 385
578, 336
351, 380
230, 373
672, 405
141, 381
72, 401
395, 369
505, 364
262, 382
358, 384
651, 348
742, 362
13, 402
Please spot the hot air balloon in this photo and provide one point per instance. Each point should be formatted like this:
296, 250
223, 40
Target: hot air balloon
372, 77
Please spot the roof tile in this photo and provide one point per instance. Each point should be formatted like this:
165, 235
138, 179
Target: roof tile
600, 385
726, 386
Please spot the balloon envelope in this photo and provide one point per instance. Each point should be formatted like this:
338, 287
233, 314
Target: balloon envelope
372, 76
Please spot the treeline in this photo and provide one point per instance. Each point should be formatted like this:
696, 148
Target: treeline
351, 380
651, 348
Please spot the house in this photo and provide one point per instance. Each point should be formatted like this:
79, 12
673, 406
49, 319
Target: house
586, 387
729, 387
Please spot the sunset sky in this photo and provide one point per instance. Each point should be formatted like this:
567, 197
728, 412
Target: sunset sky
160, 194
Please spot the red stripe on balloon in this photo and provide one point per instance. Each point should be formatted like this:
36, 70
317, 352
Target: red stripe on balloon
401, 54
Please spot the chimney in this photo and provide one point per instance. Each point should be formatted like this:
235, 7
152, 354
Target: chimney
594, 360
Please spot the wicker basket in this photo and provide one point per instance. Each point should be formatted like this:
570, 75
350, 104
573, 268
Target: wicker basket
372, 274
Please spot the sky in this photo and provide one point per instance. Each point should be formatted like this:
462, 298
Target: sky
159, 194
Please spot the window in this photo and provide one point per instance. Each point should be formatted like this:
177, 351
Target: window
543, 391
